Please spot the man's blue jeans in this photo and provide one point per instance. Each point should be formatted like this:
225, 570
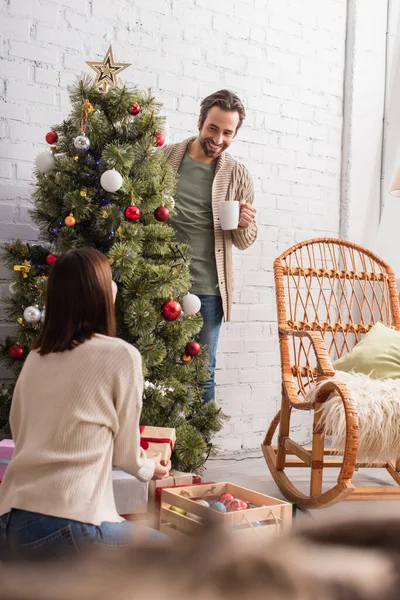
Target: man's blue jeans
212, 313
27, 535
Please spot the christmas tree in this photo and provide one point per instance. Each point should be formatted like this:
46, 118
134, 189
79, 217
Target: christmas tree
104, 184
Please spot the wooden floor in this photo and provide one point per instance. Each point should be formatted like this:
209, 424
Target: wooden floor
252, 472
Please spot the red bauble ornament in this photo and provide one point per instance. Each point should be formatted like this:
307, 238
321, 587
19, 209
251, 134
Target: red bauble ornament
171, 310
193, 348
237, 504
226, 498
159, 138
16, 352
161, 213
51, 137
134, 109
51, 259
132, 213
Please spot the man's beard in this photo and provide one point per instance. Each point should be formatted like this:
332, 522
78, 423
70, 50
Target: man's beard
209, 153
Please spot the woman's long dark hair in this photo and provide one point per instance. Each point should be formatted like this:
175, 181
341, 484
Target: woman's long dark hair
79, 301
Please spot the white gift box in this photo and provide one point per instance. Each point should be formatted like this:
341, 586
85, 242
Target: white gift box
131, 495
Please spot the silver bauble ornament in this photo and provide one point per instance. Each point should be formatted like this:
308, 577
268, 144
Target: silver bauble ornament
42, 315
45, 162
82, 143
111, 181
32, 314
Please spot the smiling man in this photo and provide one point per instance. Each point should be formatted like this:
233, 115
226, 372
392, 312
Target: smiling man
207, 176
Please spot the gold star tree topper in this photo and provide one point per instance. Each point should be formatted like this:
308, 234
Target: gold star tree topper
107, 71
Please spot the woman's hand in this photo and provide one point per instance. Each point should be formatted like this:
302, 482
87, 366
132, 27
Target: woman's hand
160, 471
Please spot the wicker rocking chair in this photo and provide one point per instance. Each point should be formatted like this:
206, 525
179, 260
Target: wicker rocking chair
329, 293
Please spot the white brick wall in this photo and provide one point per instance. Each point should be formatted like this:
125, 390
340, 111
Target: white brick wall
285, 58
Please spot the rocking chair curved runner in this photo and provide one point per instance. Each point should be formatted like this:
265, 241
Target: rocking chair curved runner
329, 293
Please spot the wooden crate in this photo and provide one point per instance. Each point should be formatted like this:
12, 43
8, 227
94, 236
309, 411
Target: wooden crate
274, 515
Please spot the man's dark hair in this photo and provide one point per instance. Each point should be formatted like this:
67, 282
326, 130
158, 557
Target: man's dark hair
226, 100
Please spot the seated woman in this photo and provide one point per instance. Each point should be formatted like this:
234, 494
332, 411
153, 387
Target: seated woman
74, 415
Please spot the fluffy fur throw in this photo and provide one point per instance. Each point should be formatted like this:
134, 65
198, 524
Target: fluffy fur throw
378, 405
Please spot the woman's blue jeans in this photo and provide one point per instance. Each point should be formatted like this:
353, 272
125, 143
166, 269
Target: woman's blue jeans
212, 313
27, 535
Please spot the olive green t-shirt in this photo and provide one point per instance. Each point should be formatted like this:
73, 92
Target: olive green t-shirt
194, 224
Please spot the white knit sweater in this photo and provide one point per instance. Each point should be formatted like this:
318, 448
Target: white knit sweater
74, 415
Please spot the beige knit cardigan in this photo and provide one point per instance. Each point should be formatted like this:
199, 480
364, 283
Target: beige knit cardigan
231, 182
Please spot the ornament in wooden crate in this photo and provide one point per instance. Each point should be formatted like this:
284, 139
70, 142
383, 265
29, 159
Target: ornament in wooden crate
245, 512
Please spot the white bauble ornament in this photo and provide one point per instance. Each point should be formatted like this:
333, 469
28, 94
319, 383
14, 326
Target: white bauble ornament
32, 314
111, 181
114, 289
45, 162
191, 304
43, 315
82, 143
169, 200
203, 502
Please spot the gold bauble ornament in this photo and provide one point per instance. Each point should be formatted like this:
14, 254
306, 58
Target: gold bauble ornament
186, 358
70, 221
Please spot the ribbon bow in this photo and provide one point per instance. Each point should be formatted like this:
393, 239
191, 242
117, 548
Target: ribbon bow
24, 268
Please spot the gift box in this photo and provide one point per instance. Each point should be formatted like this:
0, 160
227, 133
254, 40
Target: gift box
6, 451
158, 440
160, 490
175, 479
130, 494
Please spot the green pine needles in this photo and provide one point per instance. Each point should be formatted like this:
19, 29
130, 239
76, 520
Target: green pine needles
72, 209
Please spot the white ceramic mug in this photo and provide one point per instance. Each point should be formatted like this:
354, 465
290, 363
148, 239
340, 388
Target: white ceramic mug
229, 214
